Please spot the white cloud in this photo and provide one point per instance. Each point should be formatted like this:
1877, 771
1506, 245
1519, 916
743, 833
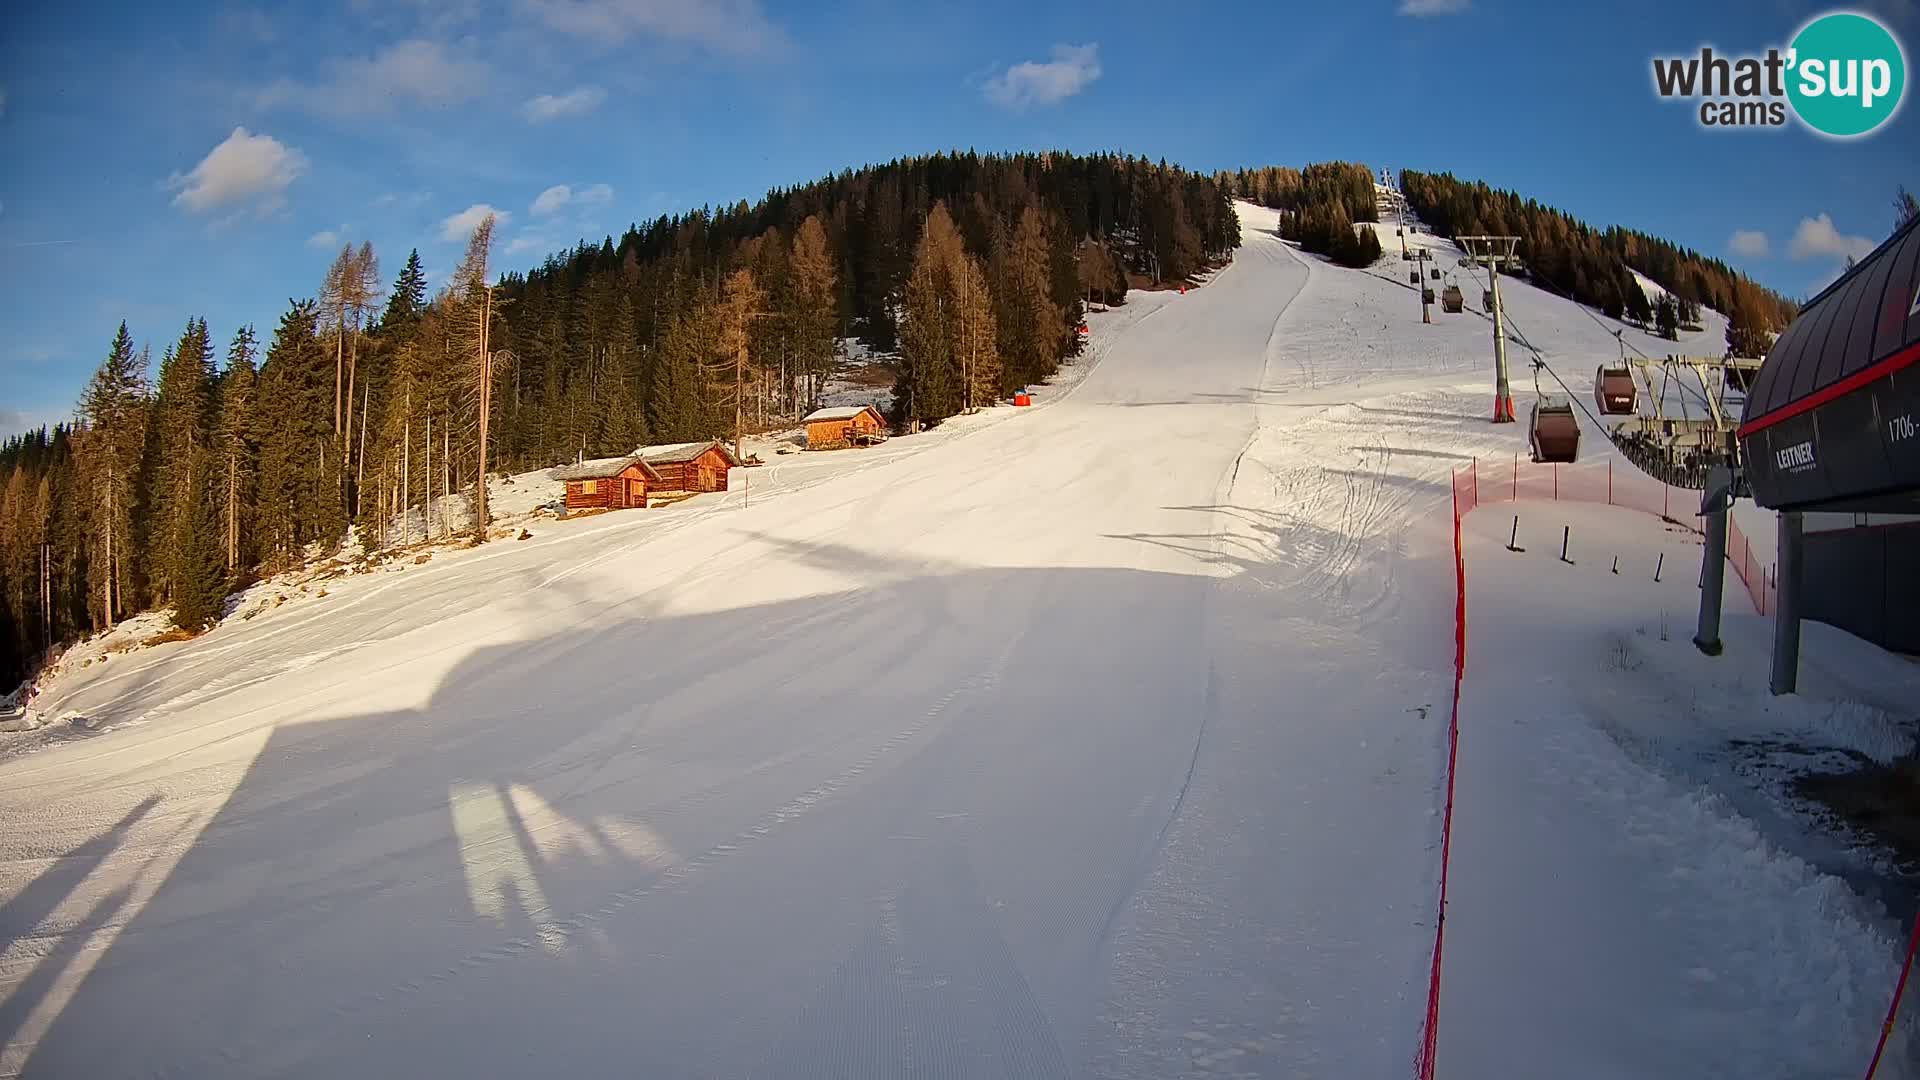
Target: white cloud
527, 242
412, 72
458, 226
1750, 242
328, 239
1816, 238
560, 195
244, 168
736, 27
552, 199
547, 107
1033, 82
1423, 8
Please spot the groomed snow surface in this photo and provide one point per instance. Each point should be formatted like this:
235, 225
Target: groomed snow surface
1100, 738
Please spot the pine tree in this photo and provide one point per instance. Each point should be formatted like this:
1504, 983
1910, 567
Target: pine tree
181, 430
1634, 307
199, 578
408, 298
678, 406
115, 409
236, 446
293, 395
1666, 318
1905, 207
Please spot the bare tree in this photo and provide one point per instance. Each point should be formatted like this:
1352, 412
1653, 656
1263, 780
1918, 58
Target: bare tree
472, 302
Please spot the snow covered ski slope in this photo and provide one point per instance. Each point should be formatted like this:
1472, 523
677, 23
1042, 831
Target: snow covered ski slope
1097, 739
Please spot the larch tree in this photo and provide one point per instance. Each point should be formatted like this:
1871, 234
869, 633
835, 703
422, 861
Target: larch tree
472, 312
941, 305
814, 312
729, 366
1031, 328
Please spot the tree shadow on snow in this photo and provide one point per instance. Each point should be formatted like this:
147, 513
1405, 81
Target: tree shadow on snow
668, 845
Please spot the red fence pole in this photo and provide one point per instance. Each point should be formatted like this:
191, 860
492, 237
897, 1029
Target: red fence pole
1886, 1028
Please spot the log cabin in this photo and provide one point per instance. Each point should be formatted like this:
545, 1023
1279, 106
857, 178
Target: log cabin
831, 429
686, 468
616, 483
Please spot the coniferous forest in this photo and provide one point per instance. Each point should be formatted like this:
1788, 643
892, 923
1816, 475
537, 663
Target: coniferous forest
1319, 206
1592, 265
242, 451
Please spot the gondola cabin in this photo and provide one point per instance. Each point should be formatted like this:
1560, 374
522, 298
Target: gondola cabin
1486, 300
1554, 432
617, 483
1452, 300
691, 467
833, 429
1613, 390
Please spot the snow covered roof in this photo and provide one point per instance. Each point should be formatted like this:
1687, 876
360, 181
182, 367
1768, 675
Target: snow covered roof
601, 468
677, 453
844, 412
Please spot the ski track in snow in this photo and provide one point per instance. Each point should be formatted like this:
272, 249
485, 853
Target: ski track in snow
1101, 738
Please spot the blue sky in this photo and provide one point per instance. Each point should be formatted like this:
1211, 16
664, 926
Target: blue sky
162, 162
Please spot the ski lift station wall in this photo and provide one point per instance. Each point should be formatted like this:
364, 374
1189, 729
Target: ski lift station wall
1831, 437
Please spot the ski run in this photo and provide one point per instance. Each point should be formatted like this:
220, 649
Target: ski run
1103, 738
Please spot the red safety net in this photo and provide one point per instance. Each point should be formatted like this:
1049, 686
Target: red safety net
1596, 482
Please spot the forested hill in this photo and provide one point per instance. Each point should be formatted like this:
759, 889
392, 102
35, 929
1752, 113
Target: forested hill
604, 335
1590, 264
187, 476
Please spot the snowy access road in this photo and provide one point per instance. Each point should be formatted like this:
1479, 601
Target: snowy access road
1055, 748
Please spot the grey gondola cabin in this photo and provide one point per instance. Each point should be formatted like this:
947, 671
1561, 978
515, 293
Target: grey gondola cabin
616, 483
832, 429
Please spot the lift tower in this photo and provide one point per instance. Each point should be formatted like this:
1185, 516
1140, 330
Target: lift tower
1491, 252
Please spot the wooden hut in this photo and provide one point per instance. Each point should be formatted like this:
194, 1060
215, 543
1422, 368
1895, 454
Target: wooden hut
616, 483
690, 467
857, 425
